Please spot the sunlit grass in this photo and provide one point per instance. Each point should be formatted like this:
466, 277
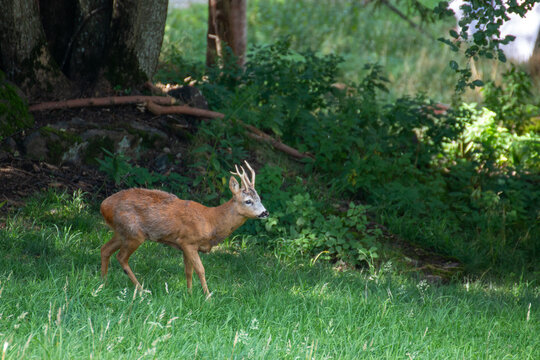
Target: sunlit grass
53, 304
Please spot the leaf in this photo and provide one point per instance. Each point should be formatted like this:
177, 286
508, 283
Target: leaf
453, 65
215, 164
478, 83
454, 34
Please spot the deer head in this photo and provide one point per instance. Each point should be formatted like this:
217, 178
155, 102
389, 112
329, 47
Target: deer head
246, 200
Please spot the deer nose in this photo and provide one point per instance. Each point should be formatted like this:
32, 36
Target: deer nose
263, 215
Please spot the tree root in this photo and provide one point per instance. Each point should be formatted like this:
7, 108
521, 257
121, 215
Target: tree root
103, 101
263, 137
154, 105
182, 109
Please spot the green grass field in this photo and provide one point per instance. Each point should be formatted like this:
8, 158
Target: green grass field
53, 304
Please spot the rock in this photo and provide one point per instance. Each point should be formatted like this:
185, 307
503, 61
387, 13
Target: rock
75, 124
35, 146
150, 135
162, 162
189, 95
73, 154
8, 145
113, 141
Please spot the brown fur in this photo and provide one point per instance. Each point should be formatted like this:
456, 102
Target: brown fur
136, 215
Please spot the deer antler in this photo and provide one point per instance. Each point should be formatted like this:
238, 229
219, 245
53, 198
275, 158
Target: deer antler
252, 174
246, 184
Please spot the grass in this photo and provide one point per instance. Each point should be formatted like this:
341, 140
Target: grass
359, 33
53, 304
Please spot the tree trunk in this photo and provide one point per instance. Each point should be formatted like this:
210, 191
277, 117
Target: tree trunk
534, 61
137, 29
24, 54
227, 26
63, 48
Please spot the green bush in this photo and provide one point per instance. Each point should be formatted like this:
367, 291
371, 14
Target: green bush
454, 181
118, 167
487, 143
513, 103
304, 228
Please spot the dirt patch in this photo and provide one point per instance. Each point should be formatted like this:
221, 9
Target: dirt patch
22, 176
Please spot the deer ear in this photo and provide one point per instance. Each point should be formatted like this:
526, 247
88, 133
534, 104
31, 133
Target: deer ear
233, 185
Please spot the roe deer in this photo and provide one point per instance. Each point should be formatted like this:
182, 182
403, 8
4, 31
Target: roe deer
139, 214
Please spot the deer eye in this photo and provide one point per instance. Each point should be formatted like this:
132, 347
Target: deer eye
248, 202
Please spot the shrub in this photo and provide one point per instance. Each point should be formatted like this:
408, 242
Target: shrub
303, 227
457, 181
513, 103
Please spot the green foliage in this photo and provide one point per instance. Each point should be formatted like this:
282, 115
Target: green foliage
115, 166
512, 103
360, 33
119, 169
457, 181
185, 36
487, 143
14, 113
484, 23
278, 90
214, 153
302, 228
412, 162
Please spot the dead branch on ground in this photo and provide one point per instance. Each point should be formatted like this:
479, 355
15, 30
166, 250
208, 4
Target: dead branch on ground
103, 101
182, 109
154, 105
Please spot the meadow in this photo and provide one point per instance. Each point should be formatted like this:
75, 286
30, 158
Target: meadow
53, 304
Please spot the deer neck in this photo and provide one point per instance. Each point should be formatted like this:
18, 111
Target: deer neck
226, 220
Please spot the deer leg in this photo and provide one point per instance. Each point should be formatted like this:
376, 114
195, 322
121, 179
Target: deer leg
107, 250
188, 269
193, 257
128, 247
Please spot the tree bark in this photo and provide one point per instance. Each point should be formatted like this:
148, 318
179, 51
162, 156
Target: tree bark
137, 35
534, 61
227, 26
85, 53
65, 48
24, 54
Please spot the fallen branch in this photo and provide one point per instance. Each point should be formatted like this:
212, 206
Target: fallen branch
153, 104
104, 101
263, 137
182, 109
253, 133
